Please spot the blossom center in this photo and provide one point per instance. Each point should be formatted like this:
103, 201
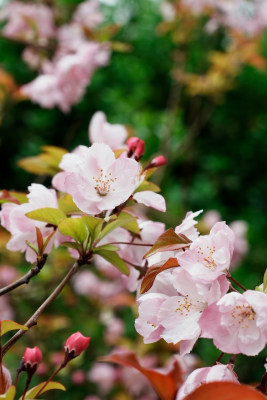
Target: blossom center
185, 306
207, 256
104, 183
242, 314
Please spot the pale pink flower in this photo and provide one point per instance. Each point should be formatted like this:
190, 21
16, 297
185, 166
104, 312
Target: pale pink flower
187, 227
5, 379
105, 375
172, 307
210, 218
217, 373
102, 182
237, 323
88, 14
101, 131
30, 22
22, 228
210, 255
168, 11
6, 310
151, 199
240, 229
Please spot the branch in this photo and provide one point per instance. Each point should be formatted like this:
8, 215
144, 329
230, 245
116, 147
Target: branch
133, 244
33, 320
26, 278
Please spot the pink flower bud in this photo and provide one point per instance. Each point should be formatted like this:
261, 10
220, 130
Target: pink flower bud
32, 357
77, 343
132, 143
140, 149
158, 161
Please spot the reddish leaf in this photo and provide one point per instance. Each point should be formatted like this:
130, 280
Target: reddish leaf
153, 271
165, 384
5, 196
40, 240
169, 241
225, 391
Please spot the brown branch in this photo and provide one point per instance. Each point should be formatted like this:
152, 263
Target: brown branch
33, 319
26, 278
237, 283
132, 244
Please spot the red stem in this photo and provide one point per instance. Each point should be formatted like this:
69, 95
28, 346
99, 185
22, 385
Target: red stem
237, 283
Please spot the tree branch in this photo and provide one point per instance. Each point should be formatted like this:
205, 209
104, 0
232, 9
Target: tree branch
26, 278
33, 320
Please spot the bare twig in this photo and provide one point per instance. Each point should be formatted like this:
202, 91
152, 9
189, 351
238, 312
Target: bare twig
33, 320
26, 278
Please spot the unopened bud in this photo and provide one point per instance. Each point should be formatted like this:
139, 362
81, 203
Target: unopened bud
158, 161
77, 343
132, 143
140, 149
32, 357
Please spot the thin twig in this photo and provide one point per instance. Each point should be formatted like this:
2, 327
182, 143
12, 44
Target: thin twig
132, 244
33, 319
237, 283
26, 278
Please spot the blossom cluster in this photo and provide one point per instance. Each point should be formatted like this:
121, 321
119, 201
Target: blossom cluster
192, 300
62, 79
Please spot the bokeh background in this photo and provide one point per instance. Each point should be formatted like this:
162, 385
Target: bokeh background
200, 99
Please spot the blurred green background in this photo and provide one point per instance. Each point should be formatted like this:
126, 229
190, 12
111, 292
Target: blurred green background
216, 148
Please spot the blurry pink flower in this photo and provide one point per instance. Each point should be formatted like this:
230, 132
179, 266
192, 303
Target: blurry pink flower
102, 182
22, 228
187, 227
240, 229
78, 377
104, 375
6, 310
7, 275
209, 256
88, 14
100, 131
210, 218
30, 22
65, 81
168, 11
237, 323
200, 376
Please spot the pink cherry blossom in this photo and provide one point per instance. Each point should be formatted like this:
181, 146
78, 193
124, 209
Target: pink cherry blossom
237, 323
200, 376
187, 227
151, 199
88, 14
172, 307
104, 375
102, 182
240, 229
30, 22
22, 228
100, 130
210, 255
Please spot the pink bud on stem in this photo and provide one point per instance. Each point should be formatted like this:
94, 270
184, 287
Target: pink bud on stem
156, 162
30, 362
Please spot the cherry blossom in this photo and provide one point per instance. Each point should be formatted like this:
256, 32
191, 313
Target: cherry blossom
88, 14
200, 376
102, 182
151, 199
237, 323
30, 22
187, 227
22, 228
210, 255
172, 307
100, 130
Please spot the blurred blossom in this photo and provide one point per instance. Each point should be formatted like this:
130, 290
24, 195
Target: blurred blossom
88, 14
114, 327
6, 311
31, 22
168, 11
78, 377
7, 274
241, 248
105, 375
210, 218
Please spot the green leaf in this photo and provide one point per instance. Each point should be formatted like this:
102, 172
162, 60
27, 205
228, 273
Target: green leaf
21, 197
74, 227
32, 246
145, 185
113, 258
10, 394
169, 241
50, 215
124, 220
50, 386
108, 247
8, 325
44, 163
67, 205
94, 225
72, 245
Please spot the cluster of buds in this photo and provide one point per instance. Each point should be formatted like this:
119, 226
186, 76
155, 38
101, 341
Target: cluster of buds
136, 148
